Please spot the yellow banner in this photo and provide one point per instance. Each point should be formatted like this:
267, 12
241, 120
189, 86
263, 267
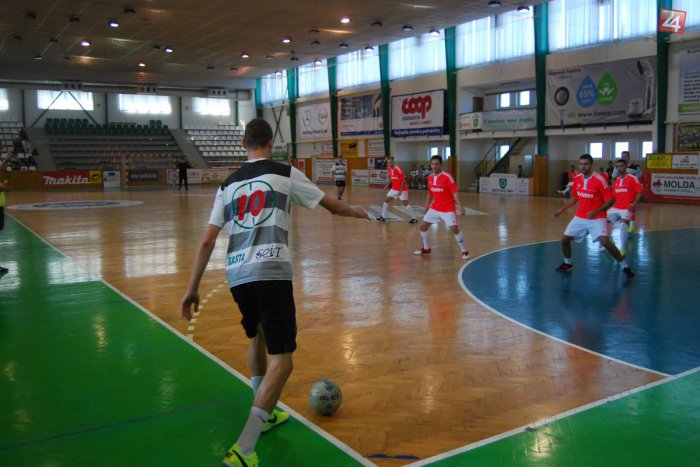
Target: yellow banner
660, 161
348, 147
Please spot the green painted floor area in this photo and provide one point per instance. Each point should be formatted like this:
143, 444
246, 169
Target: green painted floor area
659, 426
86, 378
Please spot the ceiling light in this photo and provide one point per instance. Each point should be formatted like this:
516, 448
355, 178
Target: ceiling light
343, 45
73, 19
38, 57
434, 32
407, 27
17, 37
345, 20
113, 23
313, 31
233, 68
318, 61
168, 49
286, 40
523, 9
278, 73
142, 65
377, 24
369, 48
270, 57
315, 42
494, 3
156, 47
210, 67
53, 40
129, 11
66, 58
30, 15
85, 43
245, 55
294, 59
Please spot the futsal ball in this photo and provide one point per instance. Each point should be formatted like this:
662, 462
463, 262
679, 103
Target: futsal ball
325, 397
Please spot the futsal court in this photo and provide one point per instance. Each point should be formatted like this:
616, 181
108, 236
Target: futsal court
498, 360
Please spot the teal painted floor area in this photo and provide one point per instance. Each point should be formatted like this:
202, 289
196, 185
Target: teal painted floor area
86, 378
659, 426
651, 321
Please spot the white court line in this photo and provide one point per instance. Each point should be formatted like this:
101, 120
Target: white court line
570, 344
316, 429
548, 420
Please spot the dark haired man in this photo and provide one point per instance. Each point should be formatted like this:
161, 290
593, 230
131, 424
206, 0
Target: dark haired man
440, 206
253, 206
593, 194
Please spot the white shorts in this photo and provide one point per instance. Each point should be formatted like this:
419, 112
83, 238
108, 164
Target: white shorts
396, 194
579, 227
433, 217
616, 214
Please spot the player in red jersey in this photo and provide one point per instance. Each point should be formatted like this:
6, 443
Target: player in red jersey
593, 194
440, 205
396, 180
627, 191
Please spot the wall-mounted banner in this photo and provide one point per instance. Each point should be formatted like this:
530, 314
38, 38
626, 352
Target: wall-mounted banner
314, 121
375, 148
499, 120
687, 137
689, 71
612, 92
361, 115
71, 178
420, 114
324, 170
348, 148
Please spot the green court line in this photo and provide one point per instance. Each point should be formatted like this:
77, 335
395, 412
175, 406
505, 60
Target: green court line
656, 426
88, 378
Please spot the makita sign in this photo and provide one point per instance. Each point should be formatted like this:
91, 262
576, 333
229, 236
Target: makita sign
420, 114
71, 178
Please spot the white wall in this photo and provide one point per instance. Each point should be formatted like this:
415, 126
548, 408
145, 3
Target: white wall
14, 111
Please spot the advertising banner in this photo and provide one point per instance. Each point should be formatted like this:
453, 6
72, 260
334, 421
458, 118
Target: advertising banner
69, 178
685, 161
659, 161
324, 170
348, 148
377, 177
375, 148
499, 120
689, 71
360, 177
420, 114
612, 92
503, 184
145, 175
313, 121
361, 115
111, 178
279, 153
680, 185
687, 137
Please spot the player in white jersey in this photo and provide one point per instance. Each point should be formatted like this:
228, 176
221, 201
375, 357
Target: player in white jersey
339, 173
252, 206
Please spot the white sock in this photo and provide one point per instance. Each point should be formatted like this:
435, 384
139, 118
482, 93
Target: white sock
385, 208
624, 235
424, 236
255, 381
252, 429
409, 208
624, 264
567, 260
460, 241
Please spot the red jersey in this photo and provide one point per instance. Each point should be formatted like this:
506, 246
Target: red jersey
625, 191
397, 177
442, 188
572, 175
605, 176
592, 193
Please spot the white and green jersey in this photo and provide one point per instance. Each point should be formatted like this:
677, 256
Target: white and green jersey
252, 206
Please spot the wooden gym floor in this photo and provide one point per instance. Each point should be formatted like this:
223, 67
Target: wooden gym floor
425, 367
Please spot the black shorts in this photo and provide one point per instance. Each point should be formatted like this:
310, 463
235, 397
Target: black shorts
340, 183
270, 304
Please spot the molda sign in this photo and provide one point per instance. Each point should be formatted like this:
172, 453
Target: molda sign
420, 114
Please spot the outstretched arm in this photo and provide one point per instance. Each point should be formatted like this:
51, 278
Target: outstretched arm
341, 208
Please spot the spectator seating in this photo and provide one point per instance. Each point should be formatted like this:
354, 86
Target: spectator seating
77, 144
220, 146
10, 142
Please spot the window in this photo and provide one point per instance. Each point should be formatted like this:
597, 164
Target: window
273, 87
64, 100
647, 148
524, 99
4, 103
619, 147
576, 23
415, 56
140, 104
503, 150
692, 12
447, 152
313, 79
493, 38
595, 150
503, 100
211, 106
357, 68
442, 151
433, 151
